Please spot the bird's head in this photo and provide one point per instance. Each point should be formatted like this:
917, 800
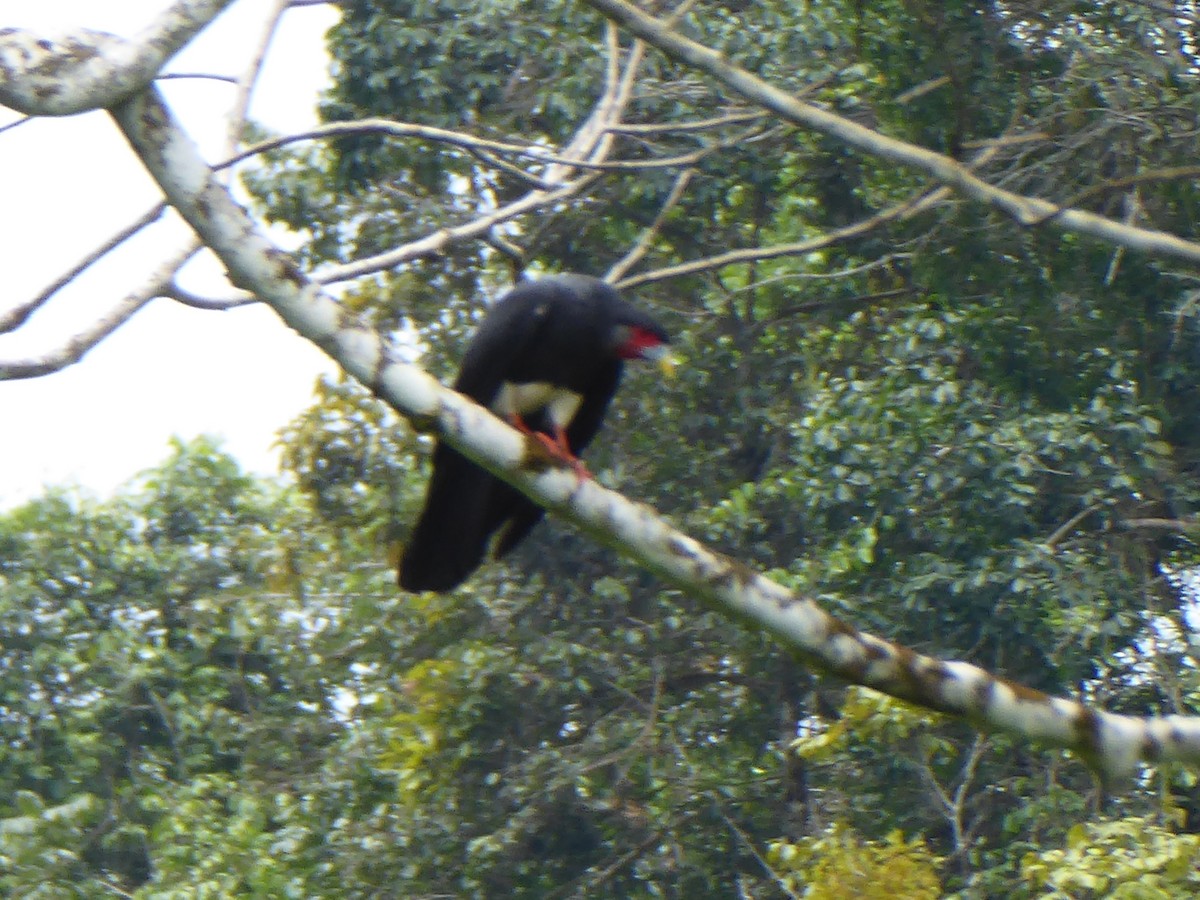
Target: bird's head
647, 342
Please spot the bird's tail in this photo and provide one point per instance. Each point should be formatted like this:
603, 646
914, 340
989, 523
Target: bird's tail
450, 537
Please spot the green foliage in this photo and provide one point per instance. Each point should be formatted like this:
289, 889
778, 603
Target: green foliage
865, 718
39, 848
839, 865
911, 488
1123, 858
152, 659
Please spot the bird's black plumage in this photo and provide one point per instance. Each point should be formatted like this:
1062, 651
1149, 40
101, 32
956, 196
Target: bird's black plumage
550, 353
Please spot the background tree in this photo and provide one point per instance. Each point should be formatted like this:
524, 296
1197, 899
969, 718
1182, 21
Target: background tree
962, 433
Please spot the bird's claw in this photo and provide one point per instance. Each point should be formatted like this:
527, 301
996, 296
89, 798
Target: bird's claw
558, 451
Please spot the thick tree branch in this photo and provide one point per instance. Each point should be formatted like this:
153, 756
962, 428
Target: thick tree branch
92, 70
1114, 743
1025, 210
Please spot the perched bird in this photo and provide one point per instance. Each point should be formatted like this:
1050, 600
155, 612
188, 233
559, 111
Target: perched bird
548, 357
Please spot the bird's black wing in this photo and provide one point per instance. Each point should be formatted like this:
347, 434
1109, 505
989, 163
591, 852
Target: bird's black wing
510, 331
451, 535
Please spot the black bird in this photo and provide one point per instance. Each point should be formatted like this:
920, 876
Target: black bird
548, 357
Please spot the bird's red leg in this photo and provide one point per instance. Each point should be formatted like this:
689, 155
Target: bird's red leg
560, 441
557, 446
518, 423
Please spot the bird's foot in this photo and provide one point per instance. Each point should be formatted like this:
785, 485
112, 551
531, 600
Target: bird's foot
556, 446
558, 450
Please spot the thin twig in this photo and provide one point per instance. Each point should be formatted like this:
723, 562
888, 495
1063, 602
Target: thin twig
178, 293
479, 147
249, 78
196, 76
17, 316
749, 845
914, 205
688, 126
1068, 526
795, 248
1187, 526
639, 249
74, 348
16, 122
587, 888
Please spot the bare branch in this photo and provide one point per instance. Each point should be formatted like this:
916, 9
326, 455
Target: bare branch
1186, 526
438, 241
954, 806
174, 291
1008, 140
17, 316
75, 348
546, 192
489, 159
849, 272
1024, 210
922, 89
248, 80
481, 146
595, 878
1151, 176
586, 149
692, 125
1068, 526
400, 129
635, 254
196, 76
796, 248
590, 137
914, 205
16, 122
750, 846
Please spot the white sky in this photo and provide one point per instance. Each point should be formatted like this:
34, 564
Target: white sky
67, 185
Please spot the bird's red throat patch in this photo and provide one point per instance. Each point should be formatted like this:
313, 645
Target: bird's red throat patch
639, 340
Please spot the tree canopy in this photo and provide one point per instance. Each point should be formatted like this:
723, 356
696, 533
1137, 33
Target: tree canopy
964, 430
